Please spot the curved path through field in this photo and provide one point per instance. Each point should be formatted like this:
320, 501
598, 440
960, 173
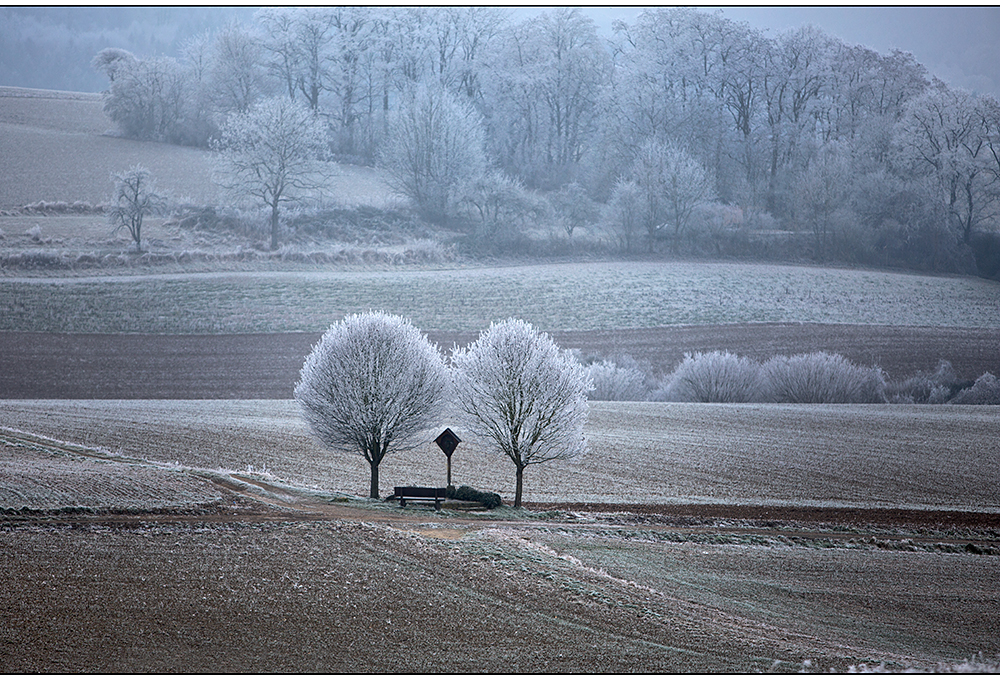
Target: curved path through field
250, 499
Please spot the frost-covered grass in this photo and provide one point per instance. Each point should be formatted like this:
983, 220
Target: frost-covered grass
580, 296
938, 456
37, 477
57, 142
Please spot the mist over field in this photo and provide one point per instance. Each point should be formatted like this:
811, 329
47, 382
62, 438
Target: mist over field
708, 300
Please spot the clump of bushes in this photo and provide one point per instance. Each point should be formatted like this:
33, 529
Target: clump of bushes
938, 387
62, 208
986, 390
821, 378
817, 378
713, 377
618, 379
467, 493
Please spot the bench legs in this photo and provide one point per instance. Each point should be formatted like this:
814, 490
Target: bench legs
437, 503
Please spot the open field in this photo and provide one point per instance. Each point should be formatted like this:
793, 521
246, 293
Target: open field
330, 590
266, 366
941, 457
56, 146
571, 296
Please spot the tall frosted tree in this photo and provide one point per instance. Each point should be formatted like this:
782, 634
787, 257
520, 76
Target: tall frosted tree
523, 395
269, 155
434, 144
370, 385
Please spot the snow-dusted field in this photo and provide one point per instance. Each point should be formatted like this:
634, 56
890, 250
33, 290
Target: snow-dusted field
941, 457
579, 296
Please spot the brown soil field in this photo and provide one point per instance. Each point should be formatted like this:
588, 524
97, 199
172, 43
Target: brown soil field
300, 584
266, 366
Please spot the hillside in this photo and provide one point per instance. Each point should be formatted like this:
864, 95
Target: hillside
56, 147
60, 146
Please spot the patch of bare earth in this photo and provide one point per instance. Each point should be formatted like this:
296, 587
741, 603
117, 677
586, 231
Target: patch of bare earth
266, 365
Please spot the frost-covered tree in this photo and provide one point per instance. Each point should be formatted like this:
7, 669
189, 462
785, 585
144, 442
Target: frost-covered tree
370, 385
434, 144
238, 74
111, 60
523, 395
944, 135
626, 213
672, 185
497, 205
269, 154
541, 91
135, 197
146, 98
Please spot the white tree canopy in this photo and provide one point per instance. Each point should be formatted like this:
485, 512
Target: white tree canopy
523, 395
370, 385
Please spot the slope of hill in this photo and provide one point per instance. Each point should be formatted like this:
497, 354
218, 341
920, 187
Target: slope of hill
56, 147
60, 146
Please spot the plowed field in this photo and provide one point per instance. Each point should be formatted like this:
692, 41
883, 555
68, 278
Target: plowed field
266, 365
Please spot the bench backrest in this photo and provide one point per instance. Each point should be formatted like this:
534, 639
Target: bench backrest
419, 492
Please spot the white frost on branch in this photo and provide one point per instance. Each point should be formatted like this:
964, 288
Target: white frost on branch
518, 391
371, 384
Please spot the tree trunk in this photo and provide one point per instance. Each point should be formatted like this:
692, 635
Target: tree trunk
274, 225
520, 484
373, 492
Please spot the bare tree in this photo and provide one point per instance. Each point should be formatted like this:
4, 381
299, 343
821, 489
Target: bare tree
521, 393
269, 154
370, 385
434, 144
135, 197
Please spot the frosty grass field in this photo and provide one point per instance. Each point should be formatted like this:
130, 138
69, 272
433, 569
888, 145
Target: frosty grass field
218, 535
577, 296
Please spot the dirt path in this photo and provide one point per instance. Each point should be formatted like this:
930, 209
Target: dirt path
247, 499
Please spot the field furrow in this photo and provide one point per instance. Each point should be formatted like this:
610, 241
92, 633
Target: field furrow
941, 457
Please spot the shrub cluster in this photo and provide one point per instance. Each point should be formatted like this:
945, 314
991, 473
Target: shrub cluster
804, 378
938, 387
467, 493
61, 208
819, 377
621, 378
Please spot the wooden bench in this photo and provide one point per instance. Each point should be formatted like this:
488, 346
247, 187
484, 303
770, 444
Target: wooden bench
419, 493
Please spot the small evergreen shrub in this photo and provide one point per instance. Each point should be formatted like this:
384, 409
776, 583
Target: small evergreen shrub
467, 493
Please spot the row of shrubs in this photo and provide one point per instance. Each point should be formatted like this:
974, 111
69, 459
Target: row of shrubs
414, 254
820, 377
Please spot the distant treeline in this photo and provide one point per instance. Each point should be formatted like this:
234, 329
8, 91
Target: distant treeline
685, 131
